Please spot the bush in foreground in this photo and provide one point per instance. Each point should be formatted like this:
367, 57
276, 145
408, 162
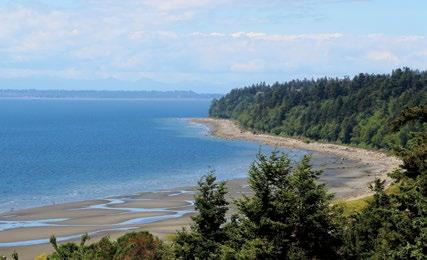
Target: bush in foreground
133, 245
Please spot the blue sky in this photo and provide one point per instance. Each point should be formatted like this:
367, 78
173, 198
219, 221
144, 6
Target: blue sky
205, 45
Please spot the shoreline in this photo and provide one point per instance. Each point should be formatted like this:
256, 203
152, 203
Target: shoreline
161, 213
165, 211
381, 163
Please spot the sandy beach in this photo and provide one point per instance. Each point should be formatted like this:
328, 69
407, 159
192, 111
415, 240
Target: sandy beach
162, 213
357, 167
347, 172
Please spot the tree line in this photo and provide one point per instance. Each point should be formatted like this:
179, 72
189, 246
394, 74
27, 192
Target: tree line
289, 215
355, 110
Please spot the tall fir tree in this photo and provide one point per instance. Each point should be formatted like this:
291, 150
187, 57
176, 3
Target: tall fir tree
203, 240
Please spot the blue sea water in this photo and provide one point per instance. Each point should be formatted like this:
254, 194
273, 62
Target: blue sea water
54, 151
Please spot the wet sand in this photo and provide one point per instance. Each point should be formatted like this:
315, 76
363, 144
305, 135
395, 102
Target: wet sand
161, 213
347, 173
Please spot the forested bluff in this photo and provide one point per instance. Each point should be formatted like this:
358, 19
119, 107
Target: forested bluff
356, 110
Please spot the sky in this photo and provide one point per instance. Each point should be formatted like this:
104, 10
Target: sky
204, 45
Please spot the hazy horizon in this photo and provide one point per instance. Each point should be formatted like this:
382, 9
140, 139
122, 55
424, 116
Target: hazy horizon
206, 46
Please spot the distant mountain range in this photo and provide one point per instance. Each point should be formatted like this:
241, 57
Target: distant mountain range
110, 84
114, 94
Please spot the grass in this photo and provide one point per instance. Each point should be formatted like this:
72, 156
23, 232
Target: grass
41, 257
354, 206
170, 237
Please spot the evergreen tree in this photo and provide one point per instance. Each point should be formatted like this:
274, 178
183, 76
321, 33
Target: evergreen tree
356, 110
288, 216
203, 240
395, 226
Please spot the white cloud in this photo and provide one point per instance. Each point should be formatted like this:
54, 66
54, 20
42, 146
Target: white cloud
422, 53
249, 66
69, 73
168, 41
172, 5
383, 56
287, 37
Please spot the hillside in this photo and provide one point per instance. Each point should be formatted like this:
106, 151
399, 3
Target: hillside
356, 110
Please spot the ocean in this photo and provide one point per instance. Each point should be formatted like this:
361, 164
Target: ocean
56, 151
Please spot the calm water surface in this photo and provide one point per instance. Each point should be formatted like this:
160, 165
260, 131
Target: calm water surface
54, 151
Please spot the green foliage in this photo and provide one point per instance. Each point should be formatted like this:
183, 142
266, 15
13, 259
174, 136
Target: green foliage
133, 245
141, 245
390, 227
203, 240
287, 217
211, 205
350, 111
350, 207
68, 250
394, 225
415, 155
14, 256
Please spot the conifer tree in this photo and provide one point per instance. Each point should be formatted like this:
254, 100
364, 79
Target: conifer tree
289, 214
203, 240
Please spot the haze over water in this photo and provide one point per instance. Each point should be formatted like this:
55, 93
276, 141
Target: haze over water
55, 151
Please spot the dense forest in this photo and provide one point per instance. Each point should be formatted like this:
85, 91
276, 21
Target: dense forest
354, 110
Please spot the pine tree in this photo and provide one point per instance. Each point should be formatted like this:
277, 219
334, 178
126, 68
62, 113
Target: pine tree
394, 226
289, 214
203, 240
